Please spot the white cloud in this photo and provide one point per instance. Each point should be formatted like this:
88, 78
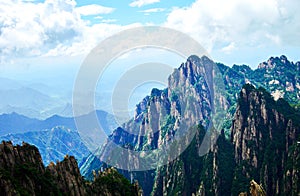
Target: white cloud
98, 17
29, 29
56, 27
94, 10
140, 3
109, 20
219, 23
91, 36
229, 48
152, 10
51, 28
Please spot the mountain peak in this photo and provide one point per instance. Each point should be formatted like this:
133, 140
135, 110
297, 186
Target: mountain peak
193, 58
273, 62
196, 59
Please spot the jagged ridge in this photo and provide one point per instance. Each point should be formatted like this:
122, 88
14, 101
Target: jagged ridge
184, 84
263, 147
22, 173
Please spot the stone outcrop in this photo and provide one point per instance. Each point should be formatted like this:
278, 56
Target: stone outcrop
263, 147
22, 173
263, 132
67, 175
254, 190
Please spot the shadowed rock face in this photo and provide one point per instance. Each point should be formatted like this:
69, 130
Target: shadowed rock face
263, 147
264, 132
67, 176
22, 173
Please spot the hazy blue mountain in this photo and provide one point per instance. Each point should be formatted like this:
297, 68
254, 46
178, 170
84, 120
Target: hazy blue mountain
16, 123
55, 136
53, 143
6, 84
27, 101
33, 99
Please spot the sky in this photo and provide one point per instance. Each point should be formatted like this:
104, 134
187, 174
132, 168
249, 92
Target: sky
51, 35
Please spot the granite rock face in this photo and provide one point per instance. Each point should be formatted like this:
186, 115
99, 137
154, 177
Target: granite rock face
263, 147
263, 133
258, 140
22, 173
186, 102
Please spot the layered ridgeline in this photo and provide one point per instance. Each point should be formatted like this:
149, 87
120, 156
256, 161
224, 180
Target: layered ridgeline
22, 173
162, 112
55, 136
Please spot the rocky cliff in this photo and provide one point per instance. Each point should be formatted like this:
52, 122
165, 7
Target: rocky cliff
263, 133
263, 147
22, 173
254, 124
159, 117
279, 76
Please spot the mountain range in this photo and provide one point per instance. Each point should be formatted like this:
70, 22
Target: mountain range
55, 136
32, 100
231, 125
261, 114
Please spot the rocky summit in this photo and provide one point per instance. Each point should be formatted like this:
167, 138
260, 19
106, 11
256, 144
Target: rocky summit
258, 139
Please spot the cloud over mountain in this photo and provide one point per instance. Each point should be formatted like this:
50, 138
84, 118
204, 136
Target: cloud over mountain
223, 24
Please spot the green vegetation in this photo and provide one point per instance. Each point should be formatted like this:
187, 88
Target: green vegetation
220, 171
114, 183
22, 173
167, 125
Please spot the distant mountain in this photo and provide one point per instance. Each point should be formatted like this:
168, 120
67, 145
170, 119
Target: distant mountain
53, 143
23, 173
6, 84
35, 100
187, 102
28, 98
27, 101
55, 136
16, 123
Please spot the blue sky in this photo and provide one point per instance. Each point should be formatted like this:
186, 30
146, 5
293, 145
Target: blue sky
57, 34
126, 12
